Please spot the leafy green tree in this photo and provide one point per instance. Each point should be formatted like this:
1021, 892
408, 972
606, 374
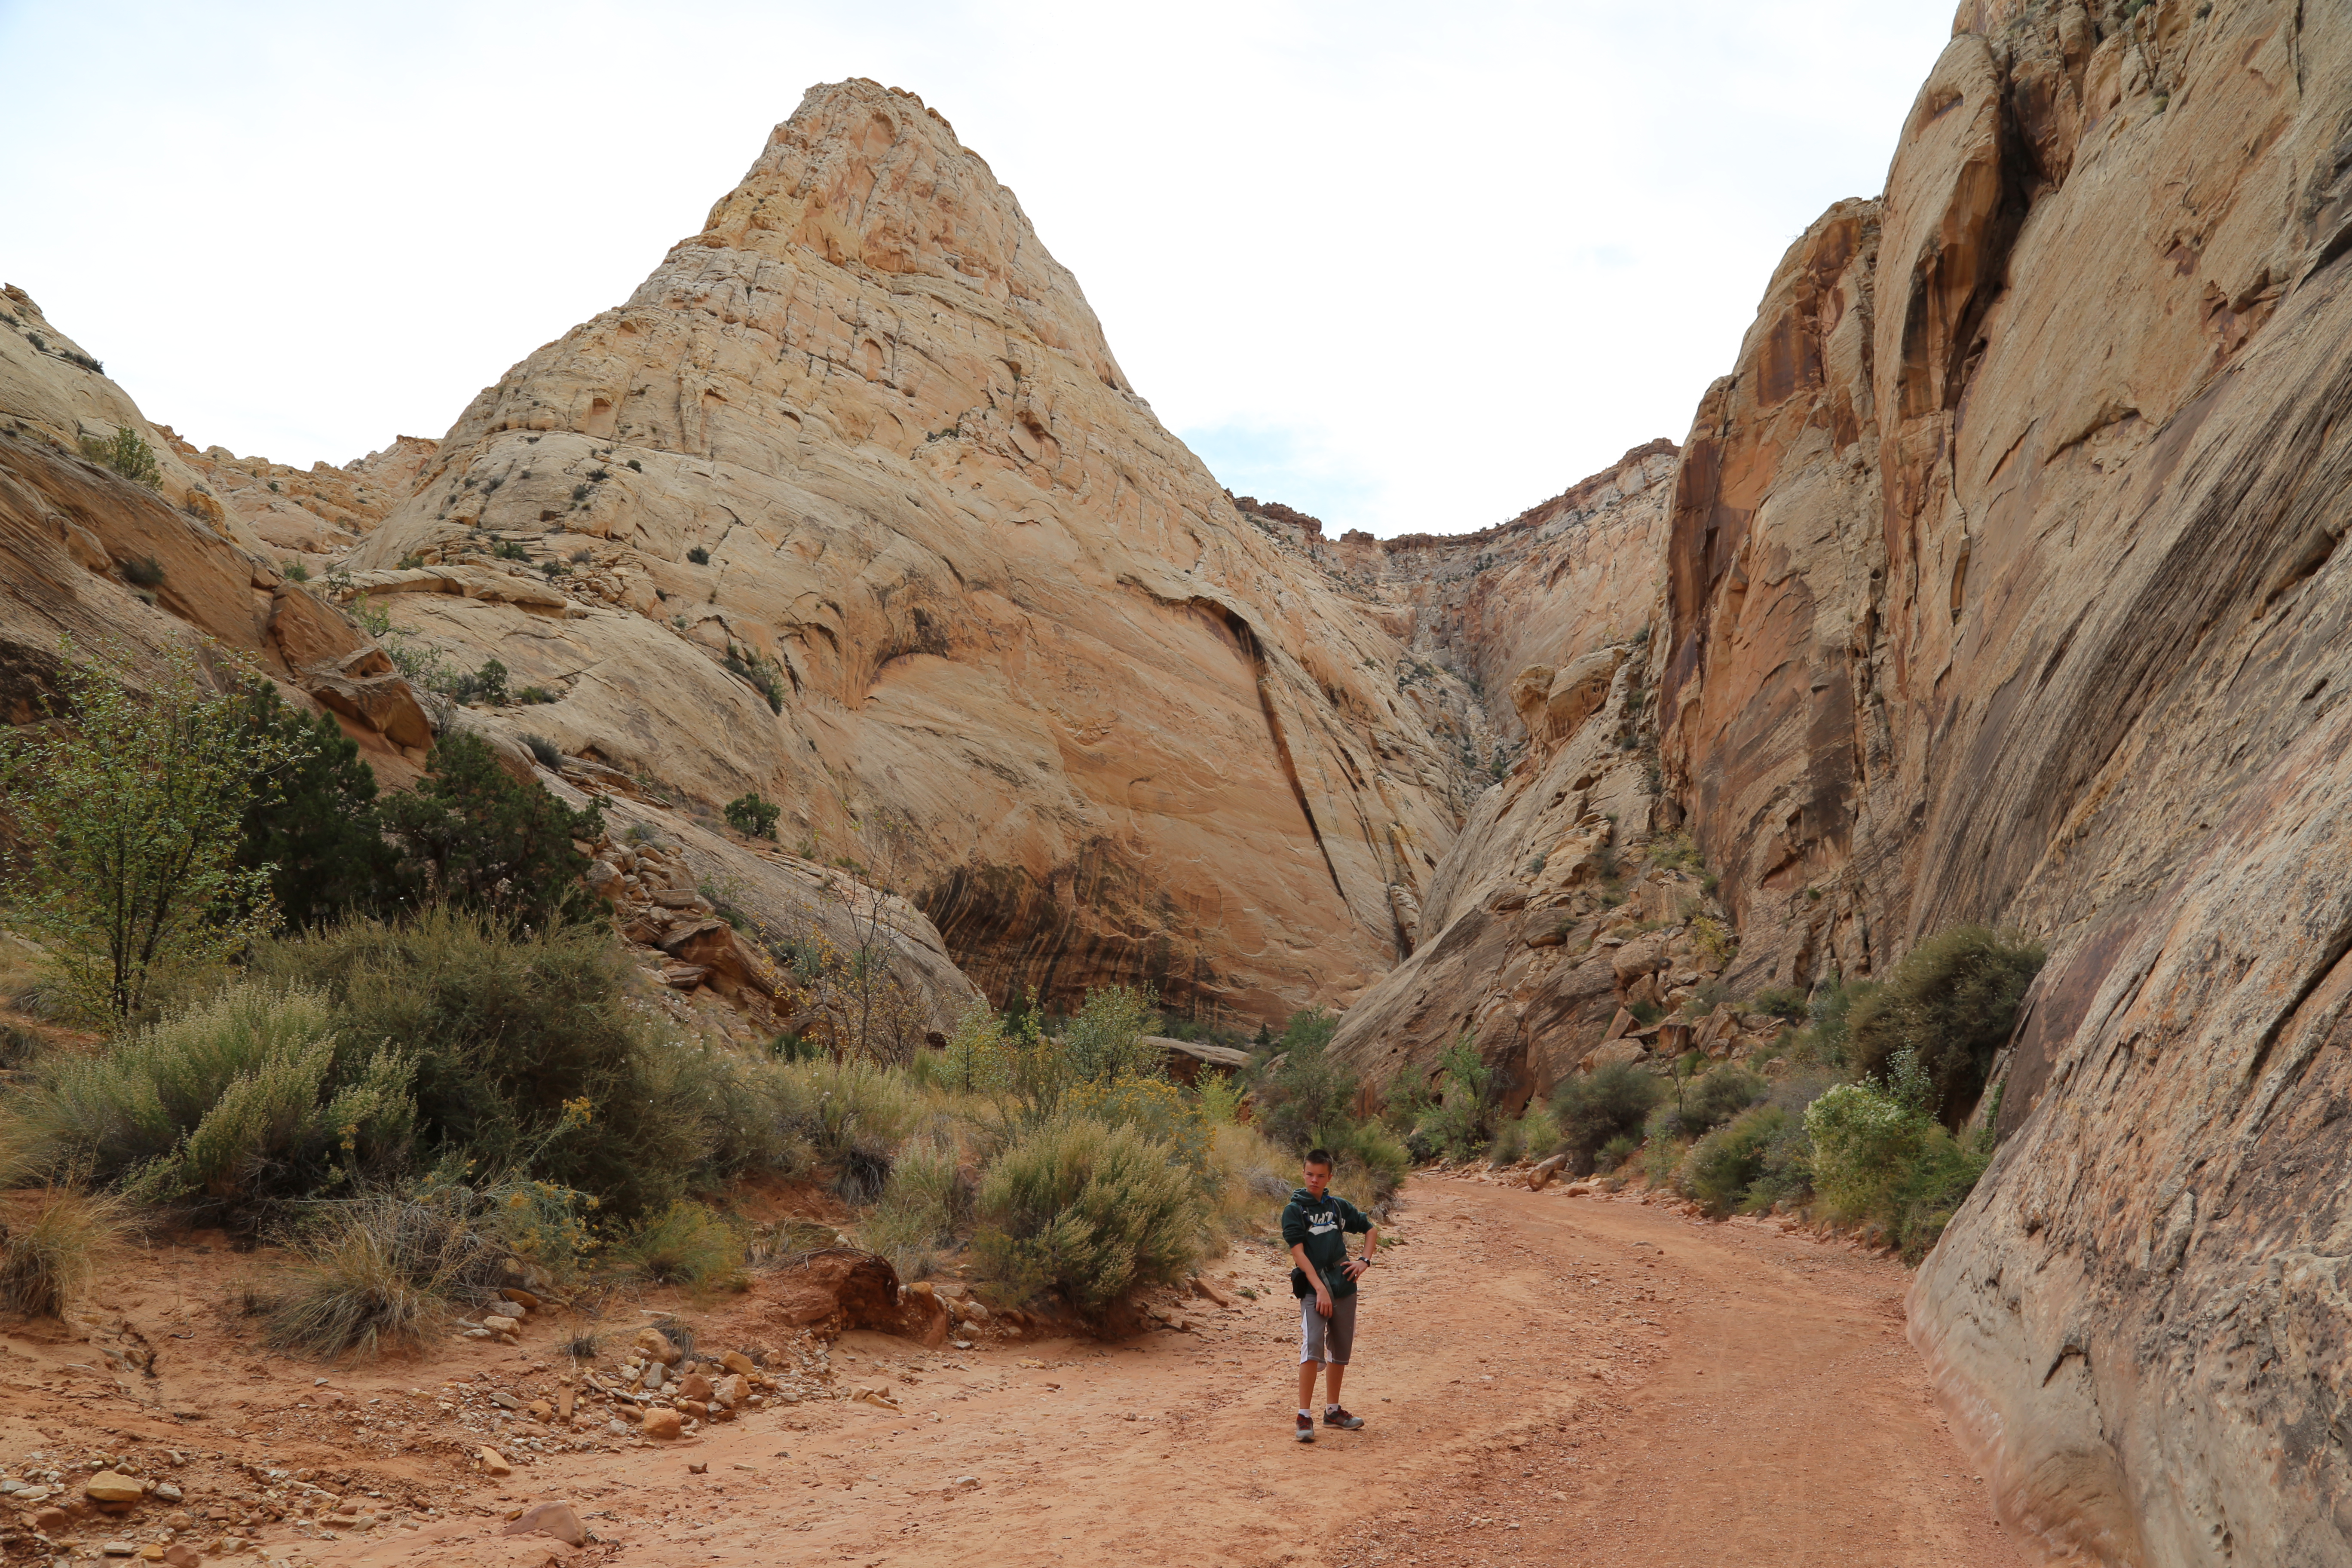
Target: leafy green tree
312, 823
1303, 1093
477, 839
131, 806
751, 816
1952, 1002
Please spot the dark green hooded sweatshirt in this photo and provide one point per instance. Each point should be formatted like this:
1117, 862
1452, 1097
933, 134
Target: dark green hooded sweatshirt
1322, 1224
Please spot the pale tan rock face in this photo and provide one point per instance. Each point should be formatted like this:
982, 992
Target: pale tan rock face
1130, 737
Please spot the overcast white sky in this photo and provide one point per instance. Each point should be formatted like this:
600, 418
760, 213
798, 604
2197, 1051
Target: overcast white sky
1405, 266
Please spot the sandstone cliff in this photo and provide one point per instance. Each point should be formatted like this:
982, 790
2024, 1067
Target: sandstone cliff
851, 504
2003, 584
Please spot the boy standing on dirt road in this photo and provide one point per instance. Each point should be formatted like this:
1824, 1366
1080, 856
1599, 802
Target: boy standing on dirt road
1323, 1276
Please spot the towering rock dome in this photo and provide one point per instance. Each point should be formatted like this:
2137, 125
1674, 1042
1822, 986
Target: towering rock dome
851, 504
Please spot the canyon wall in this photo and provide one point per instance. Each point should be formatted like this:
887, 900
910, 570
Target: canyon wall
2003, 584
850, 504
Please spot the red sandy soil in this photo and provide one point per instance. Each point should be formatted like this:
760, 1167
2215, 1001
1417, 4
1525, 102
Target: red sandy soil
1546, 1379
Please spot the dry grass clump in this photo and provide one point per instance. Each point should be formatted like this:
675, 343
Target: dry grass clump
378, 1273
687, 1245
50, 1259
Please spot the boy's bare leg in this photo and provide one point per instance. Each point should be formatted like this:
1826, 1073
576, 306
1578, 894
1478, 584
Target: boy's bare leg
1332, 1373
1307, 1370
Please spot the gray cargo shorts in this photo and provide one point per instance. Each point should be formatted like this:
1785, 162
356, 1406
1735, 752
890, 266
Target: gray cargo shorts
1326, 1339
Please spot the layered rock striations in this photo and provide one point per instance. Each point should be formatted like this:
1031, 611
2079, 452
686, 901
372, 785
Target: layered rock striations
850, 504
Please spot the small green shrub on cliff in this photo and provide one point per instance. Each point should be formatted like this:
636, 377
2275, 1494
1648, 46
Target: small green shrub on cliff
127, 453
1722, 1165
1951, 1002
752, 816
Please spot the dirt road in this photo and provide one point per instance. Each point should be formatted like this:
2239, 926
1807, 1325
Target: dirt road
1546, 1379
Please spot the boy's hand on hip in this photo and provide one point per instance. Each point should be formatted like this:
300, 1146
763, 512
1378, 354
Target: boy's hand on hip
1354, 1268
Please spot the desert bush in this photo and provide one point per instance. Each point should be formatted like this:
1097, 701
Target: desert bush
1461, 1123
48, 1261
1304, 1091
543, 751
534, 696
1152, 1106
698, 556
530, 1056
1703, 1103
1781, 1001
1406, 1099
1088, 1212
685, 1244
1939, 1179
1221, 1098
1249, 1179
752, 816
844, 1117
1612, 1101
1533, 1136
377, 1272
249, 1095
477, 839
922, 1203
131, 809
1662, 1155
1722, 1165
309, 823
1863, 1140
1787, 1173
1616, 1152
1951, 1002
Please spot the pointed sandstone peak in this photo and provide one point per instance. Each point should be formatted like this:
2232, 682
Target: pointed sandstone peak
868, 178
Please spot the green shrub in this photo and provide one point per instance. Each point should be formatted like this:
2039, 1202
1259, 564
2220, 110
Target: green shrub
844, 1117
1533, 1136
1370, 1162
922, 1204
1460, 1124
699, 555
1952, 1001
47, 1261
377, 1273
1086, 1213
1304, 1091
297, 571
1602, 1106
1704, 1103
249, 1096
1616, 1152
1940, 1179
765, 676
144, 571
531, 1056
685, 1244
751, 816
129, 813
1645, 1013
533, 696
1863, 1143
1781, 1001
311, 822
1406, 1100
1662, 1155
127, 453
1221, 1098
477, 839
1723, 1164
544, 752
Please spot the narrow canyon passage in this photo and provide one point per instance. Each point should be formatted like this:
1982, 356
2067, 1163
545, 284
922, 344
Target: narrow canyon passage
1545, 1379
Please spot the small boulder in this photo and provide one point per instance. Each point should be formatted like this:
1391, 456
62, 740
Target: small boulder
107, 1486
656, 1345
693, 1385
493, 1463
662, 1423
552, 1519
737, 1361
